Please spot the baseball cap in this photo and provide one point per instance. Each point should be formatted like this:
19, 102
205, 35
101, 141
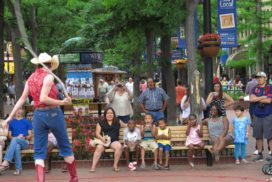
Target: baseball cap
261, 74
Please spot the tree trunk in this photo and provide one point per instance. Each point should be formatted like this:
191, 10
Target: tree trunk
149, 51
194, 85
259, 60
18, 71
34, 28
1, 57
136, 60
168, 78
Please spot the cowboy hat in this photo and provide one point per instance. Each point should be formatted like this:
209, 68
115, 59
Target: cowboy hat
45, 58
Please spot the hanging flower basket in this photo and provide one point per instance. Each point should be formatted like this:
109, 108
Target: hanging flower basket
180, 63
209, 44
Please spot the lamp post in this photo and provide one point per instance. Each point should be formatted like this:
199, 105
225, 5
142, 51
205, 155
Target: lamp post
208, 67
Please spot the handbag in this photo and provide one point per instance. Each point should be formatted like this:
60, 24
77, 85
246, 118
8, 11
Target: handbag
97, 141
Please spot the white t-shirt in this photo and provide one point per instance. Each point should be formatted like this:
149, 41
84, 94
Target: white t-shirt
2, 131
132, 136
130, 86
187, 111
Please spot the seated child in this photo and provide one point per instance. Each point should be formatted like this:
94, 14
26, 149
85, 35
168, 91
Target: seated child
148, 132
52, 143
163, 136
132, 138
3, 138
194, 135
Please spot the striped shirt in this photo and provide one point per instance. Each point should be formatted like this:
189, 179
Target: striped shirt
148, 133
153, 99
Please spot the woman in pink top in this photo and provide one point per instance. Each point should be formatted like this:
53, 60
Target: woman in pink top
47, 115
194, 135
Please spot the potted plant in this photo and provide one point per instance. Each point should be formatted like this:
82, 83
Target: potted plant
180, 62
209, 44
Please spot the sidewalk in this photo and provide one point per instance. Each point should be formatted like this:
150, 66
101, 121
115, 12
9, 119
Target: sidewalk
200, 173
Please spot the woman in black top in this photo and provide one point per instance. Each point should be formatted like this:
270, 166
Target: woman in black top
110, 126
219, 98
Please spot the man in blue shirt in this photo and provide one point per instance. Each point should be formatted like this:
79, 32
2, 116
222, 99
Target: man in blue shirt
154, 101
261, 97
20, 132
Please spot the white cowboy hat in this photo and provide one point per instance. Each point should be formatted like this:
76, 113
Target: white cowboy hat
45, 58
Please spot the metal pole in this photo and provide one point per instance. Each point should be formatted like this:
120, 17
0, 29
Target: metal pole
208, 65
8, 62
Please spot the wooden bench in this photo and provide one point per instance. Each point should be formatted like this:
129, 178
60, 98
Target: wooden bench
178, 138
31, 143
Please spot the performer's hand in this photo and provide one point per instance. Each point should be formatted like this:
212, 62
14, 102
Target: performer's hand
5, 123
67, 101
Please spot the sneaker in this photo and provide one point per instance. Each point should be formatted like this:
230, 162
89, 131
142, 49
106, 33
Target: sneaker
131, 166
166, 167
191, 164
155, 166
269, 158
258, 158
237, 162
244, 161
255, 152
160, 166
142, 166
269, 152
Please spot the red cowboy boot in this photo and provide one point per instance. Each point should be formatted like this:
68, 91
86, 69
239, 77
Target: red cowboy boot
40, 173
72, 171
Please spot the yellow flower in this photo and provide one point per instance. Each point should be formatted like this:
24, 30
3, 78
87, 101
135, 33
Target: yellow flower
180, 61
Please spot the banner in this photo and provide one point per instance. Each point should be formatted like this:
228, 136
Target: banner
227, 19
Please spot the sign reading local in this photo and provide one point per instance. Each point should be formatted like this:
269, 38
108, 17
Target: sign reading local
226, 4
227, 23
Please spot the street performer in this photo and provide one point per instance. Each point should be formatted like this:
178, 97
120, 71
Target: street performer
47, 115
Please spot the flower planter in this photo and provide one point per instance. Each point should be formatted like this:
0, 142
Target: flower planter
211, 50
209, 45
180, 66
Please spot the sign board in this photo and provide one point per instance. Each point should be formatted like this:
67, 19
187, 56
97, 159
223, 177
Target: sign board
69, 58
227, 23
9, 67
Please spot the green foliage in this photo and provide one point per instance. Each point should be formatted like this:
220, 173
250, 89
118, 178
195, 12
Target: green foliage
240, 63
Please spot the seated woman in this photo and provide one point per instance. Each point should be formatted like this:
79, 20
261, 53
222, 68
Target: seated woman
20, 132
218, 126
110, 126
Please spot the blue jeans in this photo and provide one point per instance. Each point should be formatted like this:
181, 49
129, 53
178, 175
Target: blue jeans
45, 120
14, 151
156, 115
240, 150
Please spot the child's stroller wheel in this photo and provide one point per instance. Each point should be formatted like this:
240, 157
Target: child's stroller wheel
264, 168
269, 169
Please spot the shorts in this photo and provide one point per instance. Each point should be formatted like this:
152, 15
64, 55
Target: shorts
125, 118
131, 148
166, 148
149, 145
262, 127
2, 144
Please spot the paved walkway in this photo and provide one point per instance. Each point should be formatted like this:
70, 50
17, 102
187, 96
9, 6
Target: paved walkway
200, 173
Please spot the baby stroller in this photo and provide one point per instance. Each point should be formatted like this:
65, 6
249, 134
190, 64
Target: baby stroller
267, 168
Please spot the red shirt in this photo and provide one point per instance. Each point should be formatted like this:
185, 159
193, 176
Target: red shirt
35, 83
180, 92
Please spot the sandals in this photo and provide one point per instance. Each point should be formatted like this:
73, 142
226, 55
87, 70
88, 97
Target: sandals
3, 168
92, 170
17, 172
116, 169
